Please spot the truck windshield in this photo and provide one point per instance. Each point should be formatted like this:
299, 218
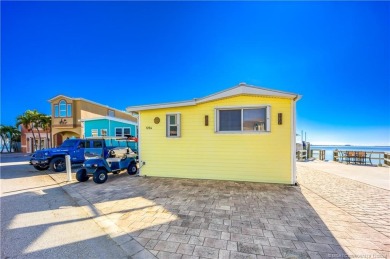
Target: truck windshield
69, 143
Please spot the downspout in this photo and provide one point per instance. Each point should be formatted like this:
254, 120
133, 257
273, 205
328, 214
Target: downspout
109, 127
140, 163
293, 141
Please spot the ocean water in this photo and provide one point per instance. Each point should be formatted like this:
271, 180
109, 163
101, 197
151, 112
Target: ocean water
329, 150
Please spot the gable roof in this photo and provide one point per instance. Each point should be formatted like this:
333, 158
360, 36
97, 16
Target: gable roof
85, 100
240, 89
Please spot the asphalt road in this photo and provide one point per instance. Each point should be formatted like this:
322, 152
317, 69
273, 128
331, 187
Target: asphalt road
40, 220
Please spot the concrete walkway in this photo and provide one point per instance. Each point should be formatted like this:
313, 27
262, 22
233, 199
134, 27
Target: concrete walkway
326, 216
39, 220
372, 175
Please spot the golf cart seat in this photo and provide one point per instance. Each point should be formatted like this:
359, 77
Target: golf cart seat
119, 152
115, 159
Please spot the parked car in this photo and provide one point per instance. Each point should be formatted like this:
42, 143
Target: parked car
97, 166
54, 158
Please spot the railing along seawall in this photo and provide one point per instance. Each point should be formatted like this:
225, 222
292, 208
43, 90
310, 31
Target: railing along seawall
355, 157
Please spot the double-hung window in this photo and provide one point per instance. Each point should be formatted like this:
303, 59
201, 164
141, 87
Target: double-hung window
62, 106
245, 119
122, 132
94, 132
173, 125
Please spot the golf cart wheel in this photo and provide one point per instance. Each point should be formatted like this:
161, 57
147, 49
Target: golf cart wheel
58, 164
81, 175
41, 168
100, 176
132, 169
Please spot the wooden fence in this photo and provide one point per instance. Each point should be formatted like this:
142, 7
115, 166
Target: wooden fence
318, 154
386, 158
301, 155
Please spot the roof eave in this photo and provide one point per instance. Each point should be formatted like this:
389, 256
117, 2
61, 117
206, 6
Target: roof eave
159, 106
241, 89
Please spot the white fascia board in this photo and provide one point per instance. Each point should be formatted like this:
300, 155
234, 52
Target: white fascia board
234, 91
58, 96
85, 100
245, 89
111, 119
159, 106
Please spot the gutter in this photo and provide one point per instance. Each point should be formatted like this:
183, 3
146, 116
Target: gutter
293, 140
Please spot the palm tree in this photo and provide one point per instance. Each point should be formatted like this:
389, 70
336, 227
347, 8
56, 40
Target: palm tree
3, 135
37, 118
46, 126
26, 119
15, 135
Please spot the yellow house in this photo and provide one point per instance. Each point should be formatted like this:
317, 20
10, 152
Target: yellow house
244, 133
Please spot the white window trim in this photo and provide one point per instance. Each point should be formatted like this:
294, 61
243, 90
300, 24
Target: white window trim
111, 111
123, 131
242, 108
69, 110
101, 132
58, 111
94, 130
178, 124
62, 103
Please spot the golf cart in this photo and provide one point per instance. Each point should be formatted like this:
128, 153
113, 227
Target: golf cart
118, 159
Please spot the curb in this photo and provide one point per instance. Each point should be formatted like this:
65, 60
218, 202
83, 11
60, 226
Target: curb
124, 240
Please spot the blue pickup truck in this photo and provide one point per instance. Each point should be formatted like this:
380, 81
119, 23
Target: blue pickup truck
54, 158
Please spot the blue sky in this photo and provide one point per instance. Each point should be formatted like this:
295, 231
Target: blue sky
335, 54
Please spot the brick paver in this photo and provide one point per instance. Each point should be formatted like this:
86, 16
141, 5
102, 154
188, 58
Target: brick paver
369, 204
325, 216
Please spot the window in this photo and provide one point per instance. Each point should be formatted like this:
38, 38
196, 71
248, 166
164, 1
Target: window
94, 144
256, 119
56, 110
69, 112
122, 132
63, 109
111, 113
173, 125
94, 132
82, 144
97, 144
103, 132
62, 105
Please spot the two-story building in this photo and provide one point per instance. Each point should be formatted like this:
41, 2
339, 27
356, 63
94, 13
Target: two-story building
70, 114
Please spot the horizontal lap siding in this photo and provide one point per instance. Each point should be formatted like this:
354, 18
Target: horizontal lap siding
202, 153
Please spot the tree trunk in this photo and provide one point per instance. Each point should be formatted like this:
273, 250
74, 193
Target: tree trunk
40, 140
5, 144
35, 143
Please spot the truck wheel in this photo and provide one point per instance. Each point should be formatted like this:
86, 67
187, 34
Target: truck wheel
81, 175
132, 169
100, 176
41, 168
58, 164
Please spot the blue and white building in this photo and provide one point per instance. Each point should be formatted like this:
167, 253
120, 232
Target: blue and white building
110, 127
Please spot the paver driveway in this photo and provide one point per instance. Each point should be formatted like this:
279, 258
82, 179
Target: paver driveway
326, 216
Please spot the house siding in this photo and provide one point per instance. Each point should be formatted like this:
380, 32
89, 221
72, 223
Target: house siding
202, 153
